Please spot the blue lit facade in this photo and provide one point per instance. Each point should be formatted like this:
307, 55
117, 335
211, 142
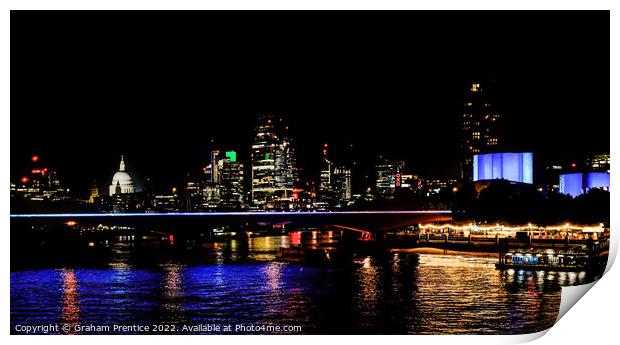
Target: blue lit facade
511, 166
571, 184
578, 183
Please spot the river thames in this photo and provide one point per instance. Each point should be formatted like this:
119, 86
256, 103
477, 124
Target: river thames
211, 286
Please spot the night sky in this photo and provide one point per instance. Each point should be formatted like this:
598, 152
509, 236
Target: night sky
156, 87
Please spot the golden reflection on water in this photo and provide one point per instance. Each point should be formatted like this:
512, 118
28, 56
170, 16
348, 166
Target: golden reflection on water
285, 299
273, 272
398, 294
261, 243
70, 314
120, 259
273, 277
369, 293
456, 294
172, 285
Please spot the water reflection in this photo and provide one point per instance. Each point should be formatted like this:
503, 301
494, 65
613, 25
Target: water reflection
239, 282
275, 294
172, 286
369, 292
70, 314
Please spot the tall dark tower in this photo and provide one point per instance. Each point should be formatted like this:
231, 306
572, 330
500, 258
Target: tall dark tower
479, 127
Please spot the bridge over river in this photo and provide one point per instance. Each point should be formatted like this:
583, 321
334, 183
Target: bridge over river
371, 221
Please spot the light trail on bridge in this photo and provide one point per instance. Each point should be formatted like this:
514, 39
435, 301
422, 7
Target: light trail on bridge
365, 233
218, 214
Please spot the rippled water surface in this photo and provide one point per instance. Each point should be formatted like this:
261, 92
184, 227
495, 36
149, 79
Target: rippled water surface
232, 283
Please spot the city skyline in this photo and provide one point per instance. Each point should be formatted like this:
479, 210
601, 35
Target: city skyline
336, 173
162, 113
272, 180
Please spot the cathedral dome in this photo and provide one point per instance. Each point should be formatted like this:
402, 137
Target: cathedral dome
121, 182
121, 177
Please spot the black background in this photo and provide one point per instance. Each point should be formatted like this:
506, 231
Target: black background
87, 87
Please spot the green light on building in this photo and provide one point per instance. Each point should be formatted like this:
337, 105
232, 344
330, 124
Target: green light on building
232, 155
267, 156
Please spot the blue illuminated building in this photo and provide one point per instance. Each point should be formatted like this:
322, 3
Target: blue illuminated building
578, 183
511, 166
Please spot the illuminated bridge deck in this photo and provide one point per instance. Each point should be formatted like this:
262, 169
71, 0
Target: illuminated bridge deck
371, 220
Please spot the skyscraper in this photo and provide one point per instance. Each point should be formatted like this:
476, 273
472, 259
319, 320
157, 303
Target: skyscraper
273, 162
334, 183
325, 179
341, 184
285, 165
40, 184
599, 162
213, 173
388, 177
231, 182
479, 127
223, 186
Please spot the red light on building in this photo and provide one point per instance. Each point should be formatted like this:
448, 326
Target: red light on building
25, 179
71, 223
574, 165
325, 145
36, 171
398, 180
295, 195
35, 158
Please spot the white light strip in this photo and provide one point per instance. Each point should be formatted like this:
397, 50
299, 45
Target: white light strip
216, 214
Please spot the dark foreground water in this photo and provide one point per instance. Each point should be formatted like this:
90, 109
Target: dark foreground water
235, 284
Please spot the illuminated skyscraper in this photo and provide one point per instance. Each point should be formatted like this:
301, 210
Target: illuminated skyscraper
388, 178
40, 184
325, 181
193, 196
273, 162
341, 184
285, 164
334, 183
599, 162
479, 128
223, 187
231, 182
213, 173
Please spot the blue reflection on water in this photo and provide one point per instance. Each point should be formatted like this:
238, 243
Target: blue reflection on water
395, 294
270, 293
